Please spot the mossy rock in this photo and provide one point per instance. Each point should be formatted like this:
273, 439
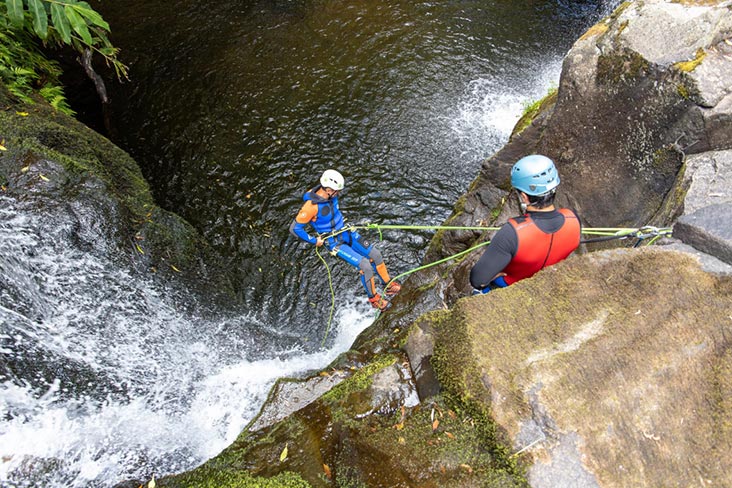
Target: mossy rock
344, 439
55, 161
534, 110
616, 348
623, 66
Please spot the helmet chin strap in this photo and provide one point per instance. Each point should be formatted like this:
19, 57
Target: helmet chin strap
522, 205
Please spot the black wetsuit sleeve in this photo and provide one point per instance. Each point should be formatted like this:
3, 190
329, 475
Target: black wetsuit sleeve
500, 252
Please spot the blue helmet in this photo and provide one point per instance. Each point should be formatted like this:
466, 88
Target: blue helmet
534, 175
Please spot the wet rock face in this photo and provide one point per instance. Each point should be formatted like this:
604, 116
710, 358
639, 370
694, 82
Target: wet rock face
94, 193
629, 109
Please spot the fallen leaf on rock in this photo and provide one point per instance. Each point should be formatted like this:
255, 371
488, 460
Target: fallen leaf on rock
283, 454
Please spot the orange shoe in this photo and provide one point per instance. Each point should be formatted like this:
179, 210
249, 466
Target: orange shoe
377, 302
392, 289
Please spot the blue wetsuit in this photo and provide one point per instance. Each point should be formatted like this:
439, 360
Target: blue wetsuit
325, 216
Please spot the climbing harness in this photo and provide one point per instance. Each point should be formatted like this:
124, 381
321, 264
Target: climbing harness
604, 234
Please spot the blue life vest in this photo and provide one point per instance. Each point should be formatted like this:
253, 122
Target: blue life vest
329, 217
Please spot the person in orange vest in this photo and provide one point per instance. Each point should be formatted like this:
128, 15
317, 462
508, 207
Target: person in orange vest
541, 237
322, 212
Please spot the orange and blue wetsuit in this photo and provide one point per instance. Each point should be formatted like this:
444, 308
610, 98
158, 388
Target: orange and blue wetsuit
525, 245
325, 216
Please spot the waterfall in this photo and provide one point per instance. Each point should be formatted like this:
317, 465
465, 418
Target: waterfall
105, 375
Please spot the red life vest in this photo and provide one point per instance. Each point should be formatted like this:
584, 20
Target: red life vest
537, 249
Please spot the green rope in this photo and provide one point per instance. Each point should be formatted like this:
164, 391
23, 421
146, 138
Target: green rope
619, 232
655, 238
427, 227
439, 261
332, 296
600, 231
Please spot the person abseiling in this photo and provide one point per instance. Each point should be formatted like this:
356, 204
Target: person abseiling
541, 237
322, 212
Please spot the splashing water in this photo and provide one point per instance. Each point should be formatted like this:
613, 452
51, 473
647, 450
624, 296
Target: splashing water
105, 378
489, 110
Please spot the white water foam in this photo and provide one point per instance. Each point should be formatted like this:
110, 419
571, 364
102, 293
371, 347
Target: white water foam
489, 110
156, 392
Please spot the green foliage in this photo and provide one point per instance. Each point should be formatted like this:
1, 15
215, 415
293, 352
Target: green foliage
531, 107
67, 22
24, 70
54, 95
55, 22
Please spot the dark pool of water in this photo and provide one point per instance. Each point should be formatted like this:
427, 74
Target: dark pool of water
233, 109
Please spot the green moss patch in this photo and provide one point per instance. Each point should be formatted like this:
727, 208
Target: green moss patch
212, 478
40, 130
533, 110
621, 67
595, 31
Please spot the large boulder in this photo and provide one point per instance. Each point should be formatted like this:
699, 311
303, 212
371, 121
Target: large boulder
610, 369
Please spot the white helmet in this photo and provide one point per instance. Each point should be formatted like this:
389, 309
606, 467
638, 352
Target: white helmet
332, 179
